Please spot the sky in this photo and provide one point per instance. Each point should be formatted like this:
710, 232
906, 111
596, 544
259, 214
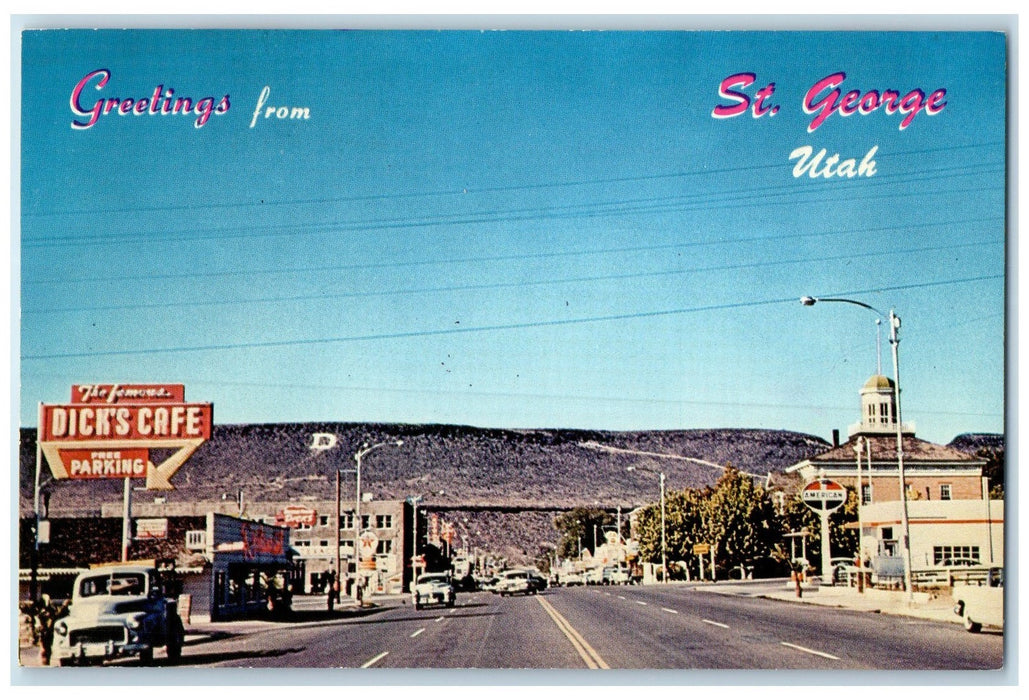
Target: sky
515, 229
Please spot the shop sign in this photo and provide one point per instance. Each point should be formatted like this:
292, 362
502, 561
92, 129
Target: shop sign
824, 495
109, 430
151, 528
292, 516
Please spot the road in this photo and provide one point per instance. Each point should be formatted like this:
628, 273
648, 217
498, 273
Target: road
627, 627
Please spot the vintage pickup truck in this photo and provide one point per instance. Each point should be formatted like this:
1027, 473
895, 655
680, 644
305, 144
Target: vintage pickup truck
981, 605
118, 610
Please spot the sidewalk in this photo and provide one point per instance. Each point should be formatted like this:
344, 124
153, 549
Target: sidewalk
306, 608
926, 606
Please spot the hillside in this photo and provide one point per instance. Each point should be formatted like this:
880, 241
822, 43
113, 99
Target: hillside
501, 488
448, 465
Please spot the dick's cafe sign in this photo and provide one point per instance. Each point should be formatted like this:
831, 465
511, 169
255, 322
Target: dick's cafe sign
107, 431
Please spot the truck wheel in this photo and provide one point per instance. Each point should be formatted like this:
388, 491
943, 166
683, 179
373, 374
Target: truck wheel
146, 657
971, 626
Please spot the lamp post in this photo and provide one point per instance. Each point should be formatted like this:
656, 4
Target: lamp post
363, 452
664, 557
894, 321
414, 501
858, 449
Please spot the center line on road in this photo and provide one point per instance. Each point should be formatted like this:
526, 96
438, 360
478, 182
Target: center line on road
371, 662
716, 624
586, 652
669, 610
810, 651
417, 632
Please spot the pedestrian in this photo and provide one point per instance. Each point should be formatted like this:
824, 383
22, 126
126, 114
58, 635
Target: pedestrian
333, 587
47, 613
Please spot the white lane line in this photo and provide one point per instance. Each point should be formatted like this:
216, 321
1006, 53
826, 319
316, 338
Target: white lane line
640, 602
440, 618
606, 593
810, 651
374, 660
621, 597
669, 610
417, 632
716, 624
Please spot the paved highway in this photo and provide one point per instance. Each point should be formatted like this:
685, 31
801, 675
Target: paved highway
627, 627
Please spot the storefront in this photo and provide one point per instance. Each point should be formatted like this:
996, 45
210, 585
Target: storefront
251, 567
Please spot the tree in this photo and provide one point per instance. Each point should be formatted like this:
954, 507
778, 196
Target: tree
739, 520
577, 528
683, 527
994, 469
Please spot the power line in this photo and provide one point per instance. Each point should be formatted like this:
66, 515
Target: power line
506, 258
480, 329
664, 204
502, 285
476, 190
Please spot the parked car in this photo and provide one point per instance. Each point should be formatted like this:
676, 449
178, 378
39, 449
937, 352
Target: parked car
617, 576
841, 567
958, 562
433, 589
117, 611
595, 577
981, 605
572, 579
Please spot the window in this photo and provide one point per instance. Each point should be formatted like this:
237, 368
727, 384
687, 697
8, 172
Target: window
323, 520
965, 552
945, 492
385, 547
346, 520
301, 543
323, 543
366, 521
383, 522
866, 494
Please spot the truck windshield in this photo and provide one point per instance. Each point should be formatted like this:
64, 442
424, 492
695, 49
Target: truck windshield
116, 584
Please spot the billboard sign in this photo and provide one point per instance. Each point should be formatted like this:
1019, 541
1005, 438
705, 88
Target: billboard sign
109, 430
292, 516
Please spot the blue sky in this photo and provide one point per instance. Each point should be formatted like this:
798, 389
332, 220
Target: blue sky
514, 229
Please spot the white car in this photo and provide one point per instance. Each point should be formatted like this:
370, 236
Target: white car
981, 605
118, 610
433, 589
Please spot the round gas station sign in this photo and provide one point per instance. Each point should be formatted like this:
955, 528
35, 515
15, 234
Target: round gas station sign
824, 495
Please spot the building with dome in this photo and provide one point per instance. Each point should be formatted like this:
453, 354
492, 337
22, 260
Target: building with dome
951, 517
931, 472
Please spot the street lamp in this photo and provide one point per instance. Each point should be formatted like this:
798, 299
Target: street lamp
894, 321
664, 558
859, 445
414, 501
365, 449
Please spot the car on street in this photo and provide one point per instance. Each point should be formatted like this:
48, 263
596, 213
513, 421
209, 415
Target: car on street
571, 579
520, 581
433, 589
117, 611
981, 605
